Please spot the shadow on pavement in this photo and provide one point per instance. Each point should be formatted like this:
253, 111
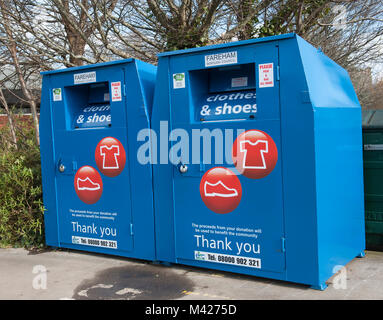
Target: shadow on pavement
137, 282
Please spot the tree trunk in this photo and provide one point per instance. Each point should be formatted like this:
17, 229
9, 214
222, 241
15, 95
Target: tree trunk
12, 48
10, 119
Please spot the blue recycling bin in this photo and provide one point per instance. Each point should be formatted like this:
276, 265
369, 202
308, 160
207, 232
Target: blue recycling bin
263, 171
97, 196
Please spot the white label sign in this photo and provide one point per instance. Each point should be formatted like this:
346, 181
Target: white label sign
373, 147
228, 259
111, 244
116, 91
266, 75
220, 59
86, 77
239, 82
178, 80
57, 94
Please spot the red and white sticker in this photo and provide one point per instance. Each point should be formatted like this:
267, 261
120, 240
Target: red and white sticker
110, 156
116, 91
220, 190
266, 75
88, 184
255, 154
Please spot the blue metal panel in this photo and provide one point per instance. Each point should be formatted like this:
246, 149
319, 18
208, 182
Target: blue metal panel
339, 167
298, 168
48, 161
140, 178
228, 45
324, 75
182, 206
162, 171
147, 77
338, 159
97, 194
91, 66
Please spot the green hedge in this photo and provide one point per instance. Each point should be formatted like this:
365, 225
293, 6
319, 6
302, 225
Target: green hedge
21, 206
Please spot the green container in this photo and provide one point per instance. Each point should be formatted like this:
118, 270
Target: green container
373, 177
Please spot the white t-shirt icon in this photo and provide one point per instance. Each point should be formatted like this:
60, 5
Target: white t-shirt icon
254, 153
110, 154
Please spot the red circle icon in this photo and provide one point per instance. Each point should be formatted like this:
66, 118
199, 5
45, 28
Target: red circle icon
220, 190
255, 154
88, 184
110, 156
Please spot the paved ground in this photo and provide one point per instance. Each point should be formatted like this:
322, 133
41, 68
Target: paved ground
78, 275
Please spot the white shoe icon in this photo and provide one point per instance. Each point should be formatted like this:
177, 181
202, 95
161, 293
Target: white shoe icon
219, 189
87, 184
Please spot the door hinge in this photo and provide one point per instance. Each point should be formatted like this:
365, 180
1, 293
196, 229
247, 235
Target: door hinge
278, 73
283, 242
124, 90
131, 228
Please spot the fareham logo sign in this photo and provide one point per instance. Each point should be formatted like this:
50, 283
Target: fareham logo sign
85, 77
220, 59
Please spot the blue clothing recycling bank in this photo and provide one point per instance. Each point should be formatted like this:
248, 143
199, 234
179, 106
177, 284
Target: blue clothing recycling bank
243, 157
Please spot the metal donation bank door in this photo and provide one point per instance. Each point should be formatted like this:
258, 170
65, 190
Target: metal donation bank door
91, 177
96, 195
227, 179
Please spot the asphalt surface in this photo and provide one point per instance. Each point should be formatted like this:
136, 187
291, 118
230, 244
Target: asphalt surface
63, 274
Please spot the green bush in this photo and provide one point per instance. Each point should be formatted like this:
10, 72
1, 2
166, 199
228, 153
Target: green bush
21, 206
